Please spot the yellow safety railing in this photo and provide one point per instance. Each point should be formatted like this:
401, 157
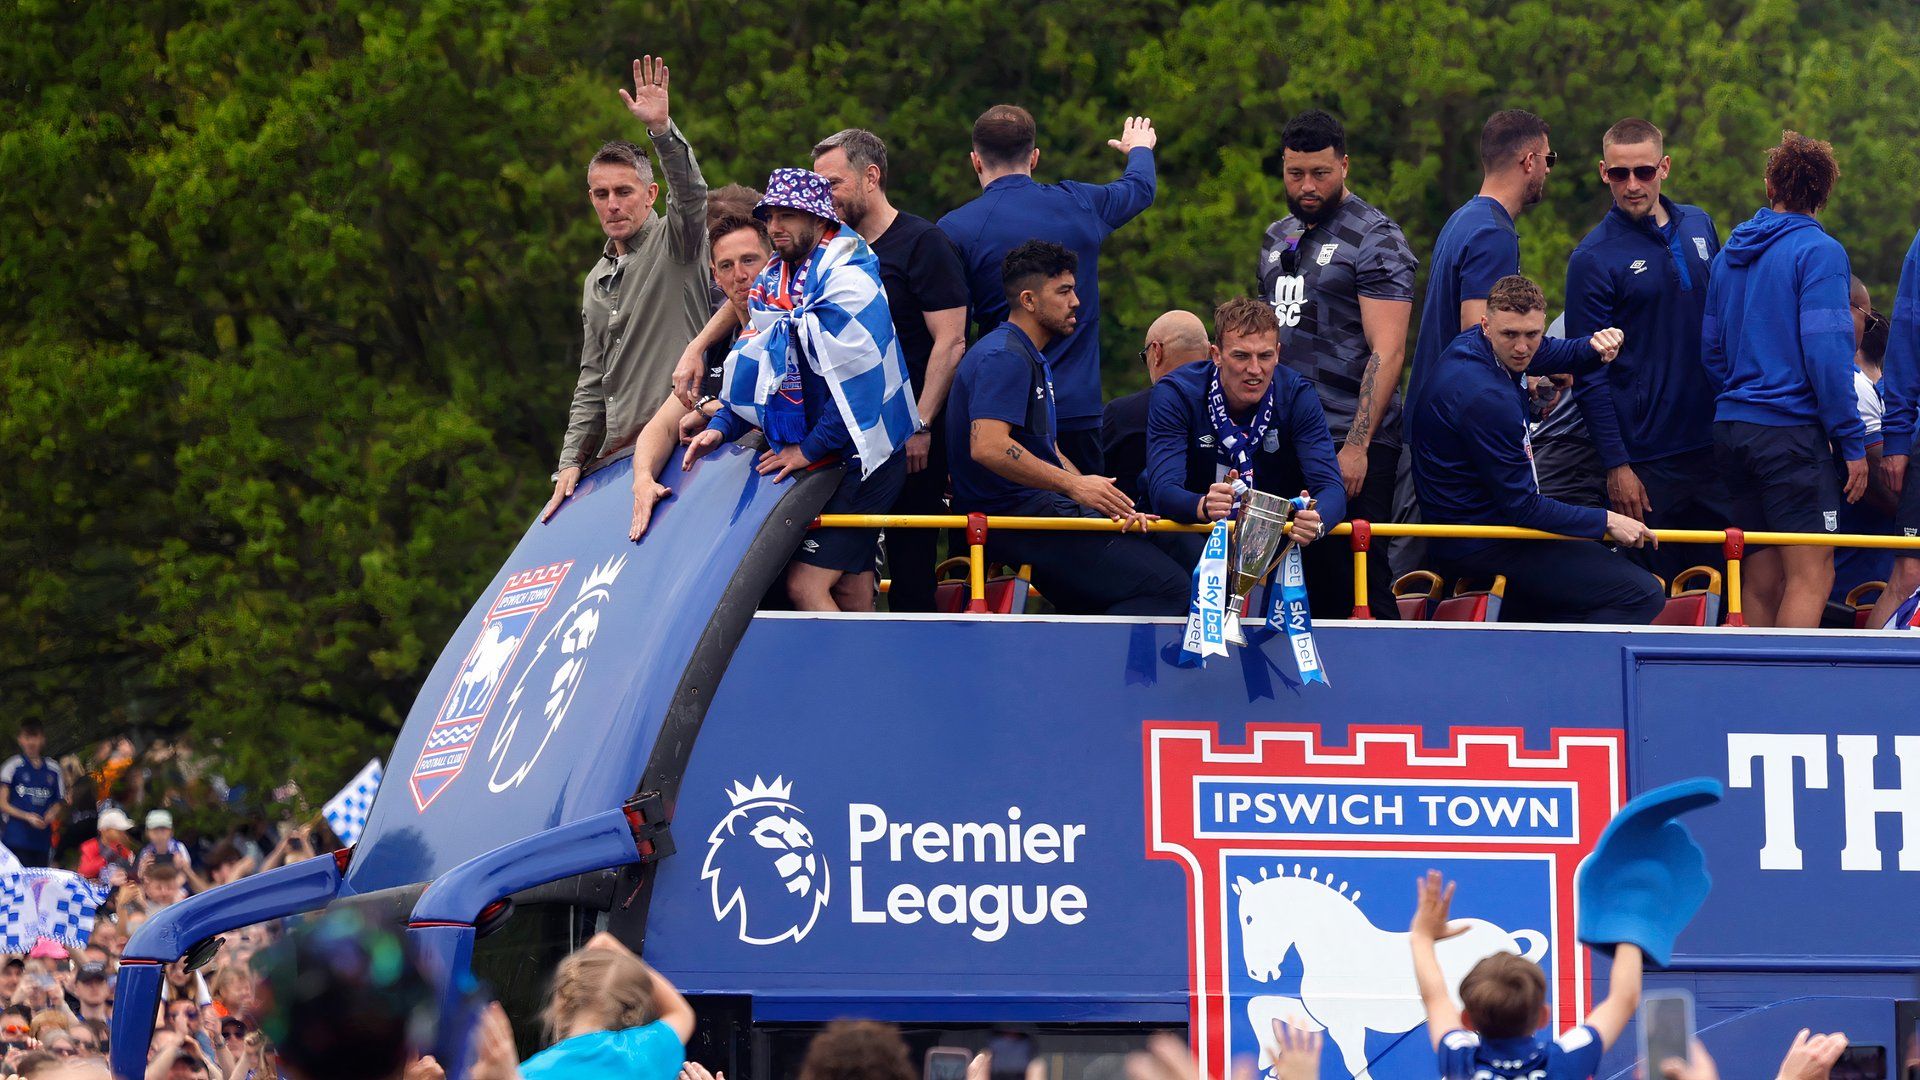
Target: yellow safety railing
1733, 542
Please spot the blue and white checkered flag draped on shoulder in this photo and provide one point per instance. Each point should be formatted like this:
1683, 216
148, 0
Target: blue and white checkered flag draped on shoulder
346, 813
840, 317
57, 905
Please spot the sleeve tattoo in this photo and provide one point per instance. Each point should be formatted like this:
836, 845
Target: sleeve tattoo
1362, 430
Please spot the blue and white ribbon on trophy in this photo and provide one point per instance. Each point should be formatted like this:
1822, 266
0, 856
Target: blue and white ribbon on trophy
1206, 633
1287, 609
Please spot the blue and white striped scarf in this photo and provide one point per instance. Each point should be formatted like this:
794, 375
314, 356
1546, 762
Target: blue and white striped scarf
838, 312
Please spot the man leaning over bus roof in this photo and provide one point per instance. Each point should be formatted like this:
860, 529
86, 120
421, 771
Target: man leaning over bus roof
820, 373
647, 295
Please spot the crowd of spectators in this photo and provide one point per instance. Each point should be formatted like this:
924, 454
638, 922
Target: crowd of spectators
956, 365
114, 816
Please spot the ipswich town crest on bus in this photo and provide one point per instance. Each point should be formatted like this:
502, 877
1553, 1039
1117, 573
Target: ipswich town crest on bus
477, 681
1301, 860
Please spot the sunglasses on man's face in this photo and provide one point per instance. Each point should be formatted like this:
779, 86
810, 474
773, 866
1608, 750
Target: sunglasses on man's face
1617, 174
233, 1031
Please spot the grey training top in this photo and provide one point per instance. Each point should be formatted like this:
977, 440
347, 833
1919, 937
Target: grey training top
638, 311
1315, 288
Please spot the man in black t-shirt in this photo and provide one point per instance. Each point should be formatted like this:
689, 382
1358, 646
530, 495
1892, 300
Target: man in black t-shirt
927, 294
1339, 275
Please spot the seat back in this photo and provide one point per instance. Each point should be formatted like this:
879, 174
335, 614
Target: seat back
1469, 604
1695, 599
1416, 593
1861, 599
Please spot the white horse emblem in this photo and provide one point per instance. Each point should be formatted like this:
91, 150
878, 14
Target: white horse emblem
1354, 976
489, 662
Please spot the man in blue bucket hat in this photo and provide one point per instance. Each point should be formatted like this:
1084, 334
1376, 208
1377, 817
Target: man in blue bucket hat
819, 371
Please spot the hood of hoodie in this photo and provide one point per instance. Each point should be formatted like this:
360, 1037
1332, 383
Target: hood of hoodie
1755, 235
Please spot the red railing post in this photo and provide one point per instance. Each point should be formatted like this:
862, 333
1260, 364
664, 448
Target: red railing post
1735, 549
977, 564
1361, 540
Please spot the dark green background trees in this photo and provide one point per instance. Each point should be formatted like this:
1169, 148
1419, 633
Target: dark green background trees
287, 294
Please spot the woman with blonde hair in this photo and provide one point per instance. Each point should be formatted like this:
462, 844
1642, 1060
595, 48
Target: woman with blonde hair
612, 1015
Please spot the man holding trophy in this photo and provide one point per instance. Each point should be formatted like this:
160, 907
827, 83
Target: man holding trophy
1234, 437
1241, 418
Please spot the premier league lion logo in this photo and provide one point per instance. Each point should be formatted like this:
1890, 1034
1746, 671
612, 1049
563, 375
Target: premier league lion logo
764, 851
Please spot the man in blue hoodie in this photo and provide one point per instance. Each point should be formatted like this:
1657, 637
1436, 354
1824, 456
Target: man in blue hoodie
1902, 392
1650, 412
1013, 209
1777, 341
1473, 465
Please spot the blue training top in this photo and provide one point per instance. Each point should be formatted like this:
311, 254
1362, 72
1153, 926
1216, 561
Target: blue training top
1477, 247
1655, 399
1002, 377
1077, 216
1464, 1055
1184, 457
651, 1052
1472, 453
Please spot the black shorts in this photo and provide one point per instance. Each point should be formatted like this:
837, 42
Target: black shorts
1906, 517
1779, 479
852, 551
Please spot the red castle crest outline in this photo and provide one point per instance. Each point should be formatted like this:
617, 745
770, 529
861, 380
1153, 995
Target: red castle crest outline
1180, 756
457, 725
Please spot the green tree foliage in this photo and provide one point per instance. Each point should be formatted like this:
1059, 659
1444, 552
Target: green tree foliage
286, 301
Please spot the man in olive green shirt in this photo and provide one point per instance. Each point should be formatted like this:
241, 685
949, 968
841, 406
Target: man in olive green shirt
648, 295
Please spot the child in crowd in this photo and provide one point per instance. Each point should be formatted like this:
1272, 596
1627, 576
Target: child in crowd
1495, 1032
612, 1015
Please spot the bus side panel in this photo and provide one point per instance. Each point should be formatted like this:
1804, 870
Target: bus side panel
1004, 820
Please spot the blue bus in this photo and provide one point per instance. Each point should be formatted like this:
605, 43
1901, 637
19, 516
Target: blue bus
1047, 831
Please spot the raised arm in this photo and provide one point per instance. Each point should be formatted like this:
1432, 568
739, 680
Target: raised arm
1576, 356
686, 188
1609, 1018
674, 1009
1122, 200
1430, 925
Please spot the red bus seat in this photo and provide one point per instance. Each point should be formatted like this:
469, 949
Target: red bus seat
1006, 592
1416, 593
1472, 605
1692, 605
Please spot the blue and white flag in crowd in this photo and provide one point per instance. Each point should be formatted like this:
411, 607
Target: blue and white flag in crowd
57, 905
346, 813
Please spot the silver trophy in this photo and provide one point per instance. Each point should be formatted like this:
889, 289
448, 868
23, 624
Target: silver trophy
1257, 536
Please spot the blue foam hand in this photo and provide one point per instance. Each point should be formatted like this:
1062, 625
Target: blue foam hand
1646, 878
